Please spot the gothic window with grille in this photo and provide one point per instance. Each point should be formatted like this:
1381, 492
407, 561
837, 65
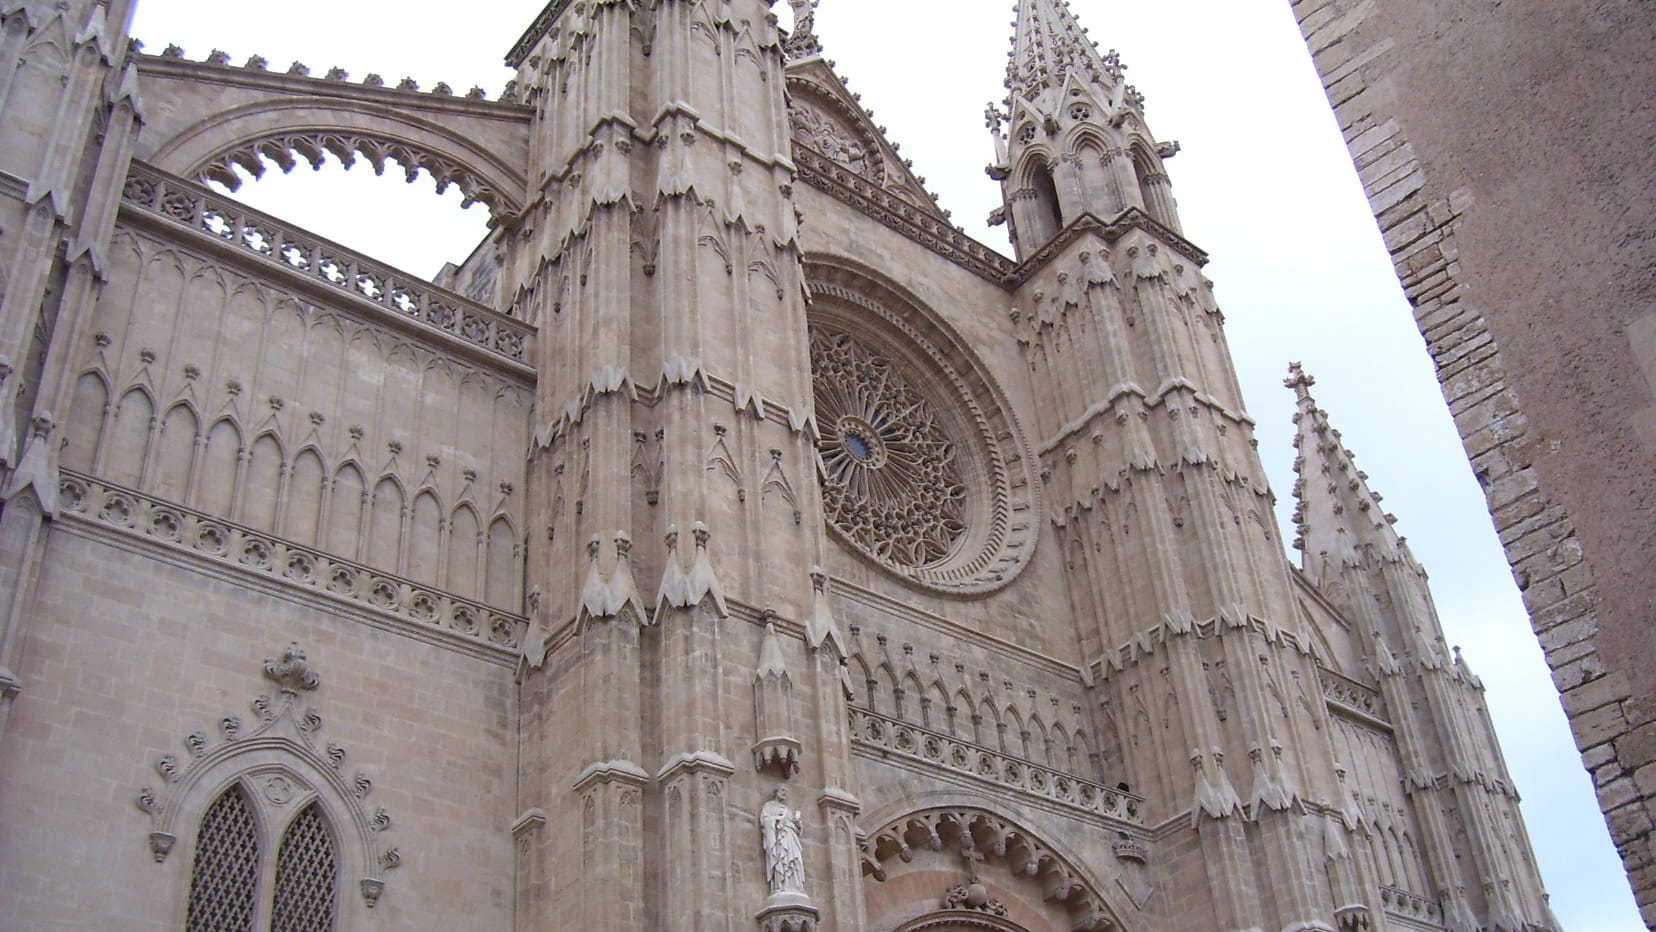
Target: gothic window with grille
259, 867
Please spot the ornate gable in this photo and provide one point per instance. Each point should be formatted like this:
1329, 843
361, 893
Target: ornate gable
828, 121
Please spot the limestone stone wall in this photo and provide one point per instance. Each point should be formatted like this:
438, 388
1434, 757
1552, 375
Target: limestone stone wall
131, 650
1506, 152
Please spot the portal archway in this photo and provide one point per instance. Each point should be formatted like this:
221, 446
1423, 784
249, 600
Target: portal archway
950, 868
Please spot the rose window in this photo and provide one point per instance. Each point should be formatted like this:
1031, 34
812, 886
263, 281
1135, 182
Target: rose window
923, 470
891, 481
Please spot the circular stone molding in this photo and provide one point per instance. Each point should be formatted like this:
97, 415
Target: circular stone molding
924, 472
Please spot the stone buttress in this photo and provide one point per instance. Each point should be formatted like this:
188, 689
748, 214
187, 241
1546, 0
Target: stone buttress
1474, 844
63, 167
659, 257
1157, 493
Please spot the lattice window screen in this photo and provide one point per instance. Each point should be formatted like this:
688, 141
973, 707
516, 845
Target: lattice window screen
225, 878
305, 876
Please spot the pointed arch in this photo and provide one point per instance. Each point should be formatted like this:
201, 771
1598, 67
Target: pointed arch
465, 547
452, 148
129, 441
287, 799
346, 504
1083, 761
1092, 152
987, 722
862, 679
261, 492
501, 586
1043, 214
87, 415
215, 480
911, 691
302, 518
180, 434
425, 528
1154, 187
924, 833
885, 688
224, 876
385, 517
1013, 732
307, 874
937, 711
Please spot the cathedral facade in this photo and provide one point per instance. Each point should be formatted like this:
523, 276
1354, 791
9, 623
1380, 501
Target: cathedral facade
729, 542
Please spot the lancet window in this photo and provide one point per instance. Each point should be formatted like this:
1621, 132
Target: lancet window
257, 866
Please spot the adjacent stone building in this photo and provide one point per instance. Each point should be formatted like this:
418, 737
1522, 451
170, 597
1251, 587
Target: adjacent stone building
1507, 151
729, 542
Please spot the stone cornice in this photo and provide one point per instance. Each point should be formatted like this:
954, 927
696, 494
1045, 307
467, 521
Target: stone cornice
1130, 219
185, 538
909, 219
13, 186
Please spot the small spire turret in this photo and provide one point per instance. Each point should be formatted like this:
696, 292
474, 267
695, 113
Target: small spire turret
1070, 136
1338, 520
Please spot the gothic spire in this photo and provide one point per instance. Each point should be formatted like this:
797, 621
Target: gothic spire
1338, 518
1070, 136
1050, 46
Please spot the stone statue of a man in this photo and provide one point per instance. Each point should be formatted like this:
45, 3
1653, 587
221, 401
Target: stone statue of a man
784, 858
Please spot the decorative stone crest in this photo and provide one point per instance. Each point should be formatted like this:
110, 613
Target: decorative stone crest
292, 673
973, 896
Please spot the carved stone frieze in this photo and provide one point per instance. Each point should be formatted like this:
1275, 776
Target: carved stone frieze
815, 126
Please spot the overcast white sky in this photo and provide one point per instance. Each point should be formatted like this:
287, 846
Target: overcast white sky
1264, 184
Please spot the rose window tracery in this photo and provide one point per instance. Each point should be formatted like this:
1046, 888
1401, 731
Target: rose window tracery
891, 481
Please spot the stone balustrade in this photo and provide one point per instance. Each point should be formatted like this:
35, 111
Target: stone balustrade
288, 247
888, 736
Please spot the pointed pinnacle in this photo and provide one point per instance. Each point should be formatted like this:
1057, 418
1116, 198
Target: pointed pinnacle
1300, 382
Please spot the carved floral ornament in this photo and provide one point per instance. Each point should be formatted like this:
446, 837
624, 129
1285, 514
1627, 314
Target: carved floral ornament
923, 470
279, 761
